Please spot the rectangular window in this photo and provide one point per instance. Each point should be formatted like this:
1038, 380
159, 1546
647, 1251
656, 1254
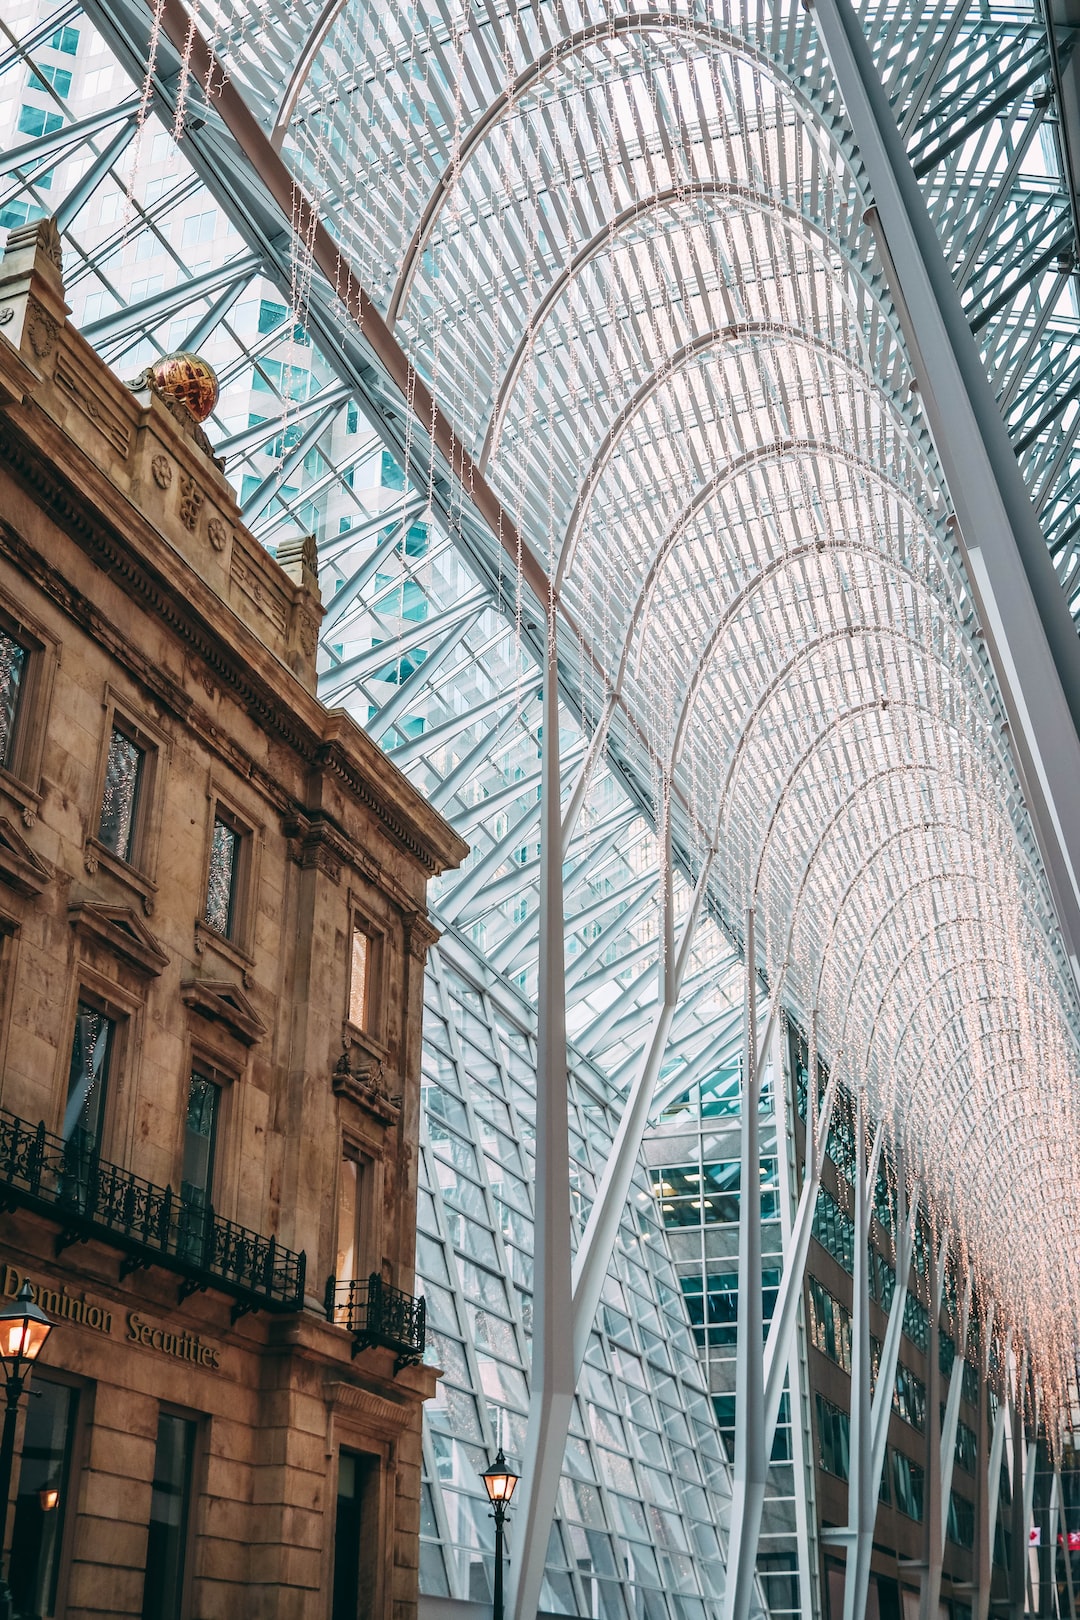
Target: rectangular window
223, 878
359, 976
163, 1587
58, 77
65, 40
830, 1325
42, 1502
834, 1438
200, 1141
120, 798
13, 659
909, 1397
88, 1076
907, 1486
36, 121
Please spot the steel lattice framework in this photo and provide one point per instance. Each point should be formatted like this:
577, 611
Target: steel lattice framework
679, 444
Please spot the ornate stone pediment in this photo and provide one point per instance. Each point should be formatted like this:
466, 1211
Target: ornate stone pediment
123, 932
20, 868
223, 1002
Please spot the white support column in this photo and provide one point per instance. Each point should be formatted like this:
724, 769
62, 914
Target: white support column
598, 1242
1023, 611
952, 1410
890, 1350
997, 1446
751, 1461
1066, 1551
933, 1538
793, 1354
862, 1486
552, 1381
782, 1327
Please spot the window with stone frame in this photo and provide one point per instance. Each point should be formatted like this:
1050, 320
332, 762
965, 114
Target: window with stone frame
360, 958
122, 795
92, 1053
353, 1174
28, 659
228, 875
13, 661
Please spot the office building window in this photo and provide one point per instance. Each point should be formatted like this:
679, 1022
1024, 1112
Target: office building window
121, 794
223, 879
909, 1397
355, 1536
41, 1507
830, 1325
163, 1587
907, 1486
834, 1437
88, 1077
13, 658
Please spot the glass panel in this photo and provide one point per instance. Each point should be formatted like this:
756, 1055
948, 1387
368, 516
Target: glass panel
12, 669
221, 883
199, 1140
87, 1083
358, 978
165, 1547
41, 1504
120, 800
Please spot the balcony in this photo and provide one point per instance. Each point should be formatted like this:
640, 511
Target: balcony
153, 1225
377, 1314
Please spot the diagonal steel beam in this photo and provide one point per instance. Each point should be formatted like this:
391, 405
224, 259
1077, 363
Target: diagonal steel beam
1031, 637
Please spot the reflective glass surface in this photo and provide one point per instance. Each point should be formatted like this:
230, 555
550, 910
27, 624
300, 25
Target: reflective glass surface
120, 799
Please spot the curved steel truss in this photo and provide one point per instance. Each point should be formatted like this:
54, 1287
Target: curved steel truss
629, 255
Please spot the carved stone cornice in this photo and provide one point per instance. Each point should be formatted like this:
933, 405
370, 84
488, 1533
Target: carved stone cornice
123, 932
420, 934
20, 868
389, 1414
222, 1002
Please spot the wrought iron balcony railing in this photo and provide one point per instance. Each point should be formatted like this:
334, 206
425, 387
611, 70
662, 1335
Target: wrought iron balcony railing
375, 1313
154, 1226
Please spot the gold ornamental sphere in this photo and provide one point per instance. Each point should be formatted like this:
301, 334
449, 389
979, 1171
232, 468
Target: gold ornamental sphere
187, 377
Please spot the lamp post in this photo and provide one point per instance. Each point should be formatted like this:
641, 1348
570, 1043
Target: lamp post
499, 1482
24, 1327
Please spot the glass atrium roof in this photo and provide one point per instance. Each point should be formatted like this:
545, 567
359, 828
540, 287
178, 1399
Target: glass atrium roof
628, 254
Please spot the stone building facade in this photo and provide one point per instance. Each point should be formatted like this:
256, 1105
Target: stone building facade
212, 943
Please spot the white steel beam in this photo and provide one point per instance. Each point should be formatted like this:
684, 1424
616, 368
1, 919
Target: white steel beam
1031, 637
751, 1457
551, 1394
862, 1487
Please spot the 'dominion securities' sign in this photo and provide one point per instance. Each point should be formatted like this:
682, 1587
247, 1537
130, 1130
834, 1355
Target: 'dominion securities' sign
60, 1303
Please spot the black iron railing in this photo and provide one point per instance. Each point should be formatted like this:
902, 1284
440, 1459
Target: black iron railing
154, 1226
377, 1314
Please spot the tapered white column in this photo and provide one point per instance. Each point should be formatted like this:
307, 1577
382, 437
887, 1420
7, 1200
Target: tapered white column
748, 1482
552, 1379
862, 1488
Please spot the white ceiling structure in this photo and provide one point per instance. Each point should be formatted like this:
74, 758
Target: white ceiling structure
627, 254
611, 285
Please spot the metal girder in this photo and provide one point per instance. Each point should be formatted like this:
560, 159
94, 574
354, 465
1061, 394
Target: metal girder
553, 1379
1030, 636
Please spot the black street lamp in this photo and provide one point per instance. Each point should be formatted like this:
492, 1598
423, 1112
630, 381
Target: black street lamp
24, 1327
499, 1482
